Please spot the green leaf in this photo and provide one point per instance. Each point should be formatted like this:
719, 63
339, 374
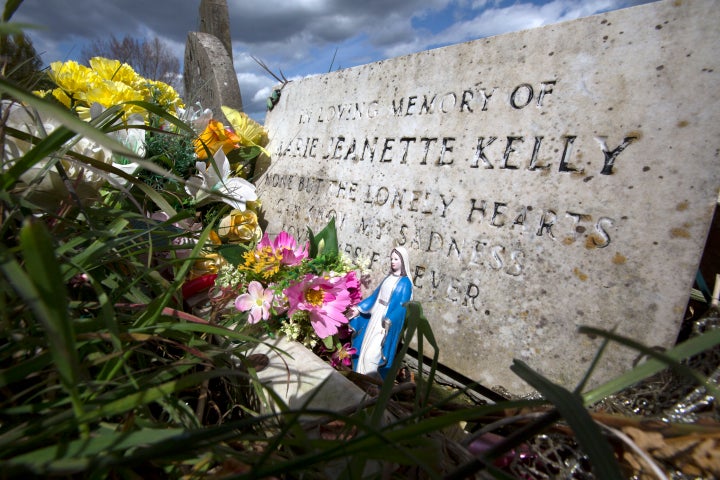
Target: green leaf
416, 317
21, 371
657, 362
44, 149
10, 7
163, 113
327, 237
570, 406
153, 393
233, 253
44, 272
75, 455
329, 342
14, 28
244, 153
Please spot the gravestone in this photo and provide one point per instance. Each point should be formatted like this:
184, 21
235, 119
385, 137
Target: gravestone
215, 20
209, 75
541, 180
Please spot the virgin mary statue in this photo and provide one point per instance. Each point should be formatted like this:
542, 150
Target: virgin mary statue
378, 320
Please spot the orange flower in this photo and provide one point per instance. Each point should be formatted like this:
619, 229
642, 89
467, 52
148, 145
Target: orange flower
214, 137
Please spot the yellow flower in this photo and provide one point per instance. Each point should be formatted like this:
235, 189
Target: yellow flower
214, 137
251, 133
107, 82
62, 97
162, 93
114, 70
240, 226
72, 77
210, 263
263, 260
109, 93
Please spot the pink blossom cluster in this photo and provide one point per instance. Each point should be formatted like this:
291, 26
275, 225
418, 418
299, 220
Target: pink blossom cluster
324, 297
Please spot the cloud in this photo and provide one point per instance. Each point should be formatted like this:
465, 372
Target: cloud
298, 38
485, 18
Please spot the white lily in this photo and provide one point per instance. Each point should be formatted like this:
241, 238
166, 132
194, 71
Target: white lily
196, 116
216, 184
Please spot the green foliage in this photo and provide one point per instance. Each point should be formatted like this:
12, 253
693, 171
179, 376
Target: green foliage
10, 7
325, 242
98, 360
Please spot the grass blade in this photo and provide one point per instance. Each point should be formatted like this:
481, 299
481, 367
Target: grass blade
657, 362
571, 407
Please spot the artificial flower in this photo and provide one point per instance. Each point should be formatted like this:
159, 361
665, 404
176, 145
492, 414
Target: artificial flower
198, 285
257, 300
72, 78
107, 82
209, 263
214, 138
325, 302
108, 69
350, 282
60, 96
110, 92
85, 180
251, 133
162, 94
239, 226
134, 139
216, 184
342, 356
197, 117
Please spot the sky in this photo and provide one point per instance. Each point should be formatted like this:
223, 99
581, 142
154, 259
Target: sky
299, 37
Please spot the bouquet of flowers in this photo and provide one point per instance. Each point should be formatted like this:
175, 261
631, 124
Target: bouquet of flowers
199, 160
201, 168
143, 151
300, 291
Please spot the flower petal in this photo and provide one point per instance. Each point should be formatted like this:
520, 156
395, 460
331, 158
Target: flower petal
244, 302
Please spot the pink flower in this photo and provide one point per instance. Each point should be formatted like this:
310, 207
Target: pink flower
292, 254
325, 300
352, 284
257, 300
342, 356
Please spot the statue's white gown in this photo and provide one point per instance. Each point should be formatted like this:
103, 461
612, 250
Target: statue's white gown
371, 350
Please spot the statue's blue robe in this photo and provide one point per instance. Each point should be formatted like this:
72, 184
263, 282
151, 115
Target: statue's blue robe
402, 293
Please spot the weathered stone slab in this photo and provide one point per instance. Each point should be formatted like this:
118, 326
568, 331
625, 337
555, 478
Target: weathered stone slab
302, 380
540, 180
209, 75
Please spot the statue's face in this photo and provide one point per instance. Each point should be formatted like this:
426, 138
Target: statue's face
395, 262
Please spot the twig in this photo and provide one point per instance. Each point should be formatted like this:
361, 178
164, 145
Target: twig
332, 62
202, 398
638, 451
499, 423
264, 66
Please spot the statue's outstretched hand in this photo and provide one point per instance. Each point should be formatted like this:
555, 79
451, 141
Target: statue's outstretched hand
352, 312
